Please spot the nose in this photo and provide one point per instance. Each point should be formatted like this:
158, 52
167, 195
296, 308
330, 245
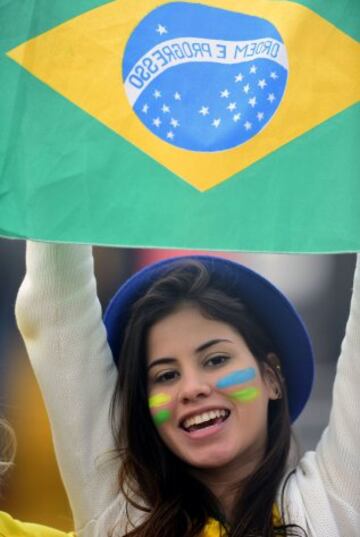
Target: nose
194, 387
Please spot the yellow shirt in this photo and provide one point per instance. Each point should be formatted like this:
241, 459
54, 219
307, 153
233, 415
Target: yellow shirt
9, 527
213, 528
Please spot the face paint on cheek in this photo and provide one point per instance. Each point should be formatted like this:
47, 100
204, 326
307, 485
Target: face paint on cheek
241, 376
246, 395
159, 399
159, 413
236, 377
161, 416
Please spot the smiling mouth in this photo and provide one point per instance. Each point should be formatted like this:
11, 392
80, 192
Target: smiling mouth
206, 419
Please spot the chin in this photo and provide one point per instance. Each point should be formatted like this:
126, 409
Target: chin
214, 458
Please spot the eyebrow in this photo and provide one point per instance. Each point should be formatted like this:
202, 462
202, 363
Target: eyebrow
210, 343
160, 361
202, 347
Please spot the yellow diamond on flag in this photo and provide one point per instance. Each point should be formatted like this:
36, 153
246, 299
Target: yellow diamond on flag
205, 89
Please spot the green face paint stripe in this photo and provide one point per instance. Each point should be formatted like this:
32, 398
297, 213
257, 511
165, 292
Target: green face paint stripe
158, 400
248, 394
161, 416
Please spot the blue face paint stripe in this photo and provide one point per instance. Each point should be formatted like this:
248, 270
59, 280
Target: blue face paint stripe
237, 377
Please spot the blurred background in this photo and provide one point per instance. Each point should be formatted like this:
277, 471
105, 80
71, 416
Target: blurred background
319, 286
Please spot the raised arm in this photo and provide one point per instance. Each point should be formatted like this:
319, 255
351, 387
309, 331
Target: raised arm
329, 479
59, 316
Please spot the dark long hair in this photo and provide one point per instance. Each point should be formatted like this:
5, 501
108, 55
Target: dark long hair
153, 479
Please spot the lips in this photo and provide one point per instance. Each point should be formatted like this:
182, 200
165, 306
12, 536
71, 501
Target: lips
204, 419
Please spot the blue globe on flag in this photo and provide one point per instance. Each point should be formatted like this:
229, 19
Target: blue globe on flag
204, 79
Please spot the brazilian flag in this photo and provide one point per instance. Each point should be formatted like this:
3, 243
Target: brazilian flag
214, 124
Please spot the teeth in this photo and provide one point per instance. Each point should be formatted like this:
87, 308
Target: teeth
205, 416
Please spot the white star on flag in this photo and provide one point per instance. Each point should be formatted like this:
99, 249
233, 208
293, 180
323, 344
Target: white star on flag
225, 93
247, 125
273, 75
246, 88
262, 83
157, 94
239, 77
253, 69
204, 110
231, 107
252, 102
236, 117
271, 97
177, 96
161, 29
174, 123
165, 109
157, 122
145, 108
170, 135
216, 122
260, 116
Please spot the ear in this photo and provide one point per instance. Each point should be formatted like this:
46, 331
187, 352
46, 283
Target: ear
271, 377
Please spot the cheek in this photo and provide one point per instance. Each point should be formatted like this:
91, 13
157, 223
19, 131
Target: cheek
160, 416
242, 385
161, 408
236, 378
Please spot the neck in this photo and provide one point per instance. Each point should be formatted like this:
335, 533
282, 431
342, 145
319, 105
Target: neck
228, 482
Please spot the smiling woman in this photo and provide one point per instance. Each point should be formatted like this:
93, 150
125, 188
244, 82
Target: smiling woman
204, 365
196, 350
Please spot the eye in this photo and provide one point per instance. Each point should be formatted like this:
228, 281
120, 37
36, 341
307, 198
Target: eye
166, 376
217, 360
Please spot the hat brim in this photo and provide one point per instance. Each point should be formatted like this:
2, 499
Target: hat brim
273, 310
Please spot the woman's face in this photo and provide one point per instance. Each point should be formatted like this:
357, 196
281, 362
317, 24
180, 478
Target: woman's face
207, 397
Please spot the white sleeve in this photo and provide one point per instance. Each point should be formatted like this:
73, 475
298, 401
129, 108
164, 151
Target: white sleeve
338, 452
59, 316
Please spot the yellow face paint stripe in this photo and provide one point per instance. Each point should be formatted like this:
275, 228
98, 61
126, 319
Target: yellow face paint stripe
158, 400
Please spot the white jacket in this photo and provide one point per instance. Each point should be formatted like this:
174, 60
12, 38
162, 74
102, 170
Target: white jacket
60, 319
